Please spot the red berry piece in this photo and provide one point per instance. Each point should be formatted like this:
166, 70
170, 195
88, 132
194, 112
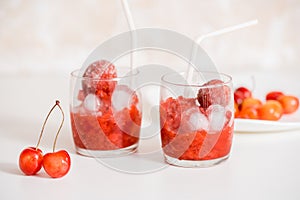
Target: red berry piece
98, 77
273, 95
57, 164
215, 93
240, 94
30, 160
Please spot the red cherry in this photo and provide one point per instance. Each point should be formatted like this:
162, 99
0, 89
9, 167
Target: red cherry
57, 164
30, 160
240, 94
273, 95
216, 94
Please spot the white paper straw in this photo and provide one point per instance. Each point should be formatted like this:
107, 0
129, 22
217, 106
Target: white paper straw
200, 38
226, 30
131, 25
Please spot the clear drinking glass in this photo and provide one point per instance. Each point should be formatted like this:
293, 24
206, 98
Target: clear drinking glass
105, 121
196, 118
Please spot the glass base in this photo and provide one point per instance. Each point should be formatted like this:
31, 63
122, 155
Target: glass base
194, 163
107, 153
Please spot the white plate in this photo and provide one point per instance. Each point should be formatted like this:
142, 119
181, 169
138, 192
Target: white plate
261, 83
286, 123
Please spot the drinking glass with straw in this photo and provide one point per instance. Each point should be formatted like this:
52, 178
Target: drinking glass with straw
197, 112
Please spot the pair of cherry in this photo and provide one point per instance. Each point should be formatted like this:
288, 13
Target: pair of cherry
56, 164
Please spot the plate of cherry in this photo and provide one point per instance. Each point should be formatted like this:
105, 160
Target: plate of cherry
277, 112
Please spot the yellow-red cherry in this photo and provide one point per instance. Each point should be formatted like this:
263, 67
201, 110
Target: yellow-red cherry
289, 103
271, 110
250, 103
248, 113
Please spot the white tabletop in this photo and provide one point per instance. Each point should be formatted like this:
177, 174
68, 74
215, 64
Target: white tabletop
261, 165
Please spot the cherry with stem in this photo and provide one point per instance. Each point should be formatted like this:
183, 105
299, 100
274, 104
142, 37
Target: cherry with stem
31, 158
57, 164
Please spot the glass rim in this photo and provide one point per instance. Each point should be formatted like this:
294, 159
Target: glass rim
131, 73
228, 81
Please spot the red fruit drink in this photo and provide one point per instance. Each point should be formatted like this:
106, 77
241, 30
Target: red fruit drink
107, 119
197, 131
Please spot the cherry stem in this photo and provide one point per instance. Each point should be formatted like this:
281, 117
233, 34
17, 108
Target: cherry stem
61, 124
43, 127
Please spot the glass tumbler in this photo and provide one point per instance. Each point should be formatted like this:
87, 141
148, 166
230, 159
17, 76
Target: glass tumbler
106, 119
196, 118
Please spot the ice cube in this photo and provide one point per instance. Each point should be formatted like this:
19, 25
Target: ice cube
196, 120
92, 102
121, 97
216, 117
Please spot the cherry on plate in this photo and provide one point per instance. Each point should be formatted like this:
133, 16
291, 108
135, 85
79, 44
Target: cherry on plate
271, 110
289, 103
241, 93
248, 113
250, 102
274, 95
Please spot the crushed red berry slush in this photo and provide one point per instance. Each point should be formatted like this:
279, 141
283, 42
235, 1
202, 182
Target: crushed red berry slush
197, 126
179, 141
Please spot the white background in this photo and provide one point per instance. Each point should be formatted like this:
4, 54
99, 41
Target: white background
41, 42
57, 36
